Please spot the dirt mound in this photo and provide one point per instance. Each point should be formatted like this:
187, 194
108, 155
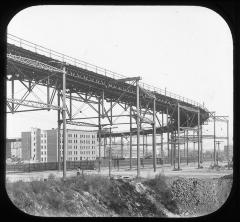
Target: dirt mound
100, 196
197, 197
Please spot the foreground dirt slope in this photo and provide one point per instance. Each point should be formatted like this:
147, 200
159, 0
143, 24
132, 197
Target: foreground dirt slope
100, 196
197, 197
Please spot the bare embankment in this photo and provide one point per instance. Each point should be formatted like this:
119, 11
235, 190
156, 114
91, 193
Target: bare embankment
95, 195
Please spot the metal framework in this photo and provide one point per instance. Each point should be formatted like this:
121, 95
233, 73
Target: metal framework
115, 99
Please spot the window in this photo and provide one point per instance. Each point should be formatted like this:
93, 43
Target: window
69, 135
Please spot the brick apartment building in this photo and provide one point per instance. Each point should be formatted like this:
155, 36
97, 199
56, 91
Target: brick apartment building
41, 145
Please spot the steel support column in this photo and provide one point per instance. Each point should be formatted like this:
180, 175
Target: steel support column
154, 135
228, 142
64, 124
168, 138
138, 131
162, 154
12, 94
110, 152
199, 138
214, 139
187, 146
130, 137
143, 151
58, 133
99, 134
121, 146
179, 158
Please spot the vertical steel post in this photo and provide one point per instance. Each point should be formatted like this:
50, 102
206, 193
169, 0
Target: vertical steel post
70, 104
138, 131
143, 151
48, 92
103, 104
162, 154
168, 138
184, 145
201, 142
121, 146
64, 124
194, 152
130, 137
110, 152
214, 139
228, 142
174, 151
104, 145
154, 134
99, 134
146, 146
172, 147
187, 146
12, 94
58, 132
199, 138
179, 137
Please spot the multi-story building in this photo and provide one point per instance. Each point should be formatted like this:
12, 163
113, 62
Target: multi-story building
13, 148
41, 145
81, 145
228, 152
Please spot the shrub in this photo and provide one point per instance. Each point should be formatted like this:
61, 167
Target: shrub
38, 186
51, 176
54, 199
163, 192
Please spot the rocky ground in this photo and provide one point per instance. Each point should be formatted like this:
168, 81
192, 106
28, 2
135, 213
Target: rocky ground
99, 196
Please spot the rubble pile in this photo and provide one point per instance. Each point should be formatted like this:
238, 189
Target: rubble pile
197, 197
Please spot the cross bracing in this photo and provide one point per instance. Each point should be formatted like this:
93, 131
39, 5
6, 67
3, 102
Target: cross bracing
146, 109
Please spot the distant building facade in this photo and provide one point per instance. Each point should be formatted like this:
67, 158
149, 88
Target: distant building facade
13, 148
42, 145
228, 152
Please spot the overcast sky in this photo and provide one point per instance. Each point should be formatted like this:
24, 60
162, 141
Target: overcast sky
188, 50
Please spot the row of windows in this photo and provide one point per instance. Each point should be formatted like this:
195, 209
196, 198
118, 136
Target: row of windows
81, 152
80, 147
82, 141
80, 136
44, 159
43, 152
43, 141
43, 135
80, 158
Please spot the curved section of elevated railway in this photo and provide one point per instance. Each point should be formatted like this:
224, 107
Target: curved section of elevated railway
85, 78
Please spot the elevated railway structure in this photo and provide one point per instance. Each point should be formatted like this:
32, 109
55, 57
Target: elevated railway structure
115, 99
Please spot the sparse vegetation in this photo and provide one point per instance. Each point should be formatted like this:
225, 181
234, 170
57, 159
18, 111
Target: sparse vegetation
95, 195
163, 192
